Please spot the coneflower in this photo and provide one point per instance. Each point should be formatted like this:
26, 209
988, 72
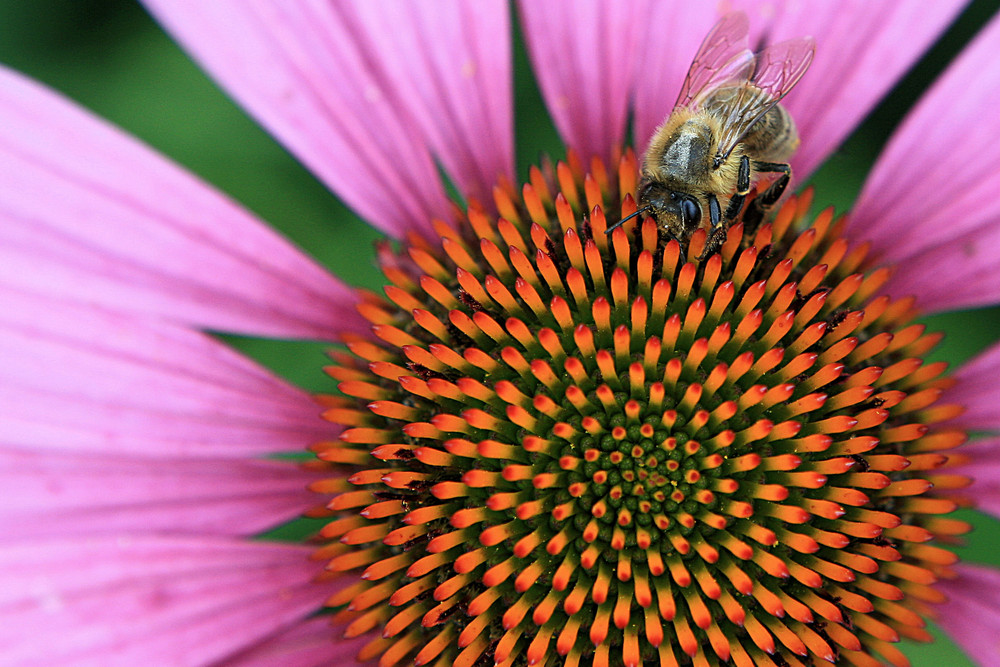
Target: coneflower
550, 445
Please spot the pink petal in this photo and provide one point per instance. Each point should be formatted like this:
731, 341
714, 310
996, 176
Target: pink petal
984, 469
956, 274
63, 494
152, 600
883, 41
978, 384
972, 615
90, 381
584, 55
862, 50
318, 87
89, 214
451, 63
930, 205
668, 41
307, 644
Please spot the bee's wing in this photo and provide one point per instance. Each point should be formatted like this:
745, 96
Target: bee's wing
722, 57
778, 68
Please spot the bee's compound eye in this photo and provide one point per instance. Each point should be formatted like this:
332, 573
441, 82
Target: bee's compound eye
691, 212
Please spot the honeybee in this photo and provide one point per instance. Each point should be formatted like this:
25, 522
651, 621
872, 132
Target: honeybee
725, 128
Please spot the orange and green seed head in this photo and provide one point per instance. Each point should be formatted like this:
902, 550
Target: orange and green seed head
567, 447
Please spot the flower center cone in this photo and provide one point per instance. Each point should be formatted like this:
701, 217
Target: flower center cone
563, 446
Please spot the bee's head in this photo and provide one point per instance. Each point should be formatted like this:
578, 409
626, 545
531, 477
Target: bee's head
678, 212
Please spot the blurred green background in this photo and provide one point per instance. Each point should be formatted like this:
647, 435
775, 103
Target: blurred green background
109, 56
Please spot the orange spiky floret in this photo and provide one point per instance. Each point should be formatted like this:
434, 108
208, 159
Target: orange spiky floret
595, 449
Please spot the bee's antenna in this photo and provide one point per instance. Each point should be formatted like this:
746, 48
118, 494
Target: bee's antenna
624, 220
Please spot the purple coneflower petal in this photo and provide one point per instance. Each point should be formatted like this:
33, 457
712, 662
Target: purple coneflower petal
584, 56
930, 205
862, 51
79, 494
450, 63
976, 390
668, 41
307, 644
122, 600
101, 383
972, 615
983, 467
319, 87
91, 215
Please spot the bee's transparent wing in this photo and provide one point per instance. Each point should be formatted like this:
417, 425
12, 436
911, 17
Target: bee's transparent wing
778, 68
722, 58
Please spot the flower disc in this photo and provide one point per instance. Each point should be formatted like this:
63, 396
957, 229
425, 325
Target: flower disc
569, 447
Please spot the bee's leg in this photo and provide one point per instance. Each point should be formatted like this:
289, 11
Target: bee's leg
742, 188
768, 198
717, 234
714, 210
754, 214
